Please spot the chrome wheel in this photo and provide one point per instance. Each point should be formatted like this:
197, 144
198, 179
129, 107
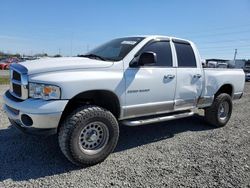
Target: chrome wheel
223, 111
93, 137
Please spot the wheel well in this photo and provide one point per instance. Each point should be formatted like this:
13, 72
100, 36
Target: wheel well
227, 88
102, 98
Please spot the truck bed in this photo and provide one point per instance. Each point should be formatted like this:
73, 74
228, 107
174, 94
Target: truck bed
214, 78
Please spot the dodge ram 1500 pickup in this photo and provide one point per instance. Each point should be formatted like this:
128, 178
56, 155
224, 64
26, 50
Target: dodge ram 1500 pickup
128, 81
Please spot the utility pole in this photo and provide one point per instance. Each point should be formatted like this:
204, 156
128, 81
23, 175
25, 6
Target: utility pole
87, 48
235, 53
71, 47
71, 43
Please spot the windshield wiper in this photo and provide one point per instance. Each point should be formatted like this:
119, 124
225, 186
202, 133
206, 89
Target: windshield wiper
93, 56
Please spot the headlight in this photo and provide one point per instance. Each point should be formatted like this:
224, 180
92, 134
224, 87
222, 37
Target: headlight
44, 91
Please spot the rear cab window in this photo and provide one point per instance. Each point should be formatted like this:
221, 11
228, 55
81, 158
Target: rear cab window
185, 54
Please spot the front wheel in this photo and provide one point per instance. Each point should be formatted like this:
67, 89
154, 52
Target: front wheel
220, 112
88, 135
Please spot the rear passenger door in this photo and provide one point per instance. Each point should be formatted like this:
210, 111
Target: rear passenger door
189, 76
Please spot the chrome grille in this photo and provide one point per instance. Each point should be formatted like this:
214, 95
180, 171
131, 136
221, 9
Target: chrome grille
19, 81
16, 76
17, 89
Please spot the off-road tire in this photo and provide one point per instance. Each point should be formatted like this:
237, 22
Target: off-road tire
69, 130
211, 113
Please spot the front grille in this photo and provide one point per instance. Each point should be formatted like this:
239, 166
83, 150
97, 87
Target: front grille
17, 89
19, 81
16, 76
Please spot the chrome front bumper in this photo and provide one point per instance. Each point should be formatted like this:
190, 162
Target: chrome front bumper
43, 114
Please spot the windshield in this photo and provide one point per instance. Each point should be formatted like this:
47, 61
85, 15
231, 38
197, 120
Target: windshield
114, 50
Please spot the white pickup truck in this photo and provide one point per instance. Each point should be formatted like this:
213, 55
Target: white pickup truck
132, 81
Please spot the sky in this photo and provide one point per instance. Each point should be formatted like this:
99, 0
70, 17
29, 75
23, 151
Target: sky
218, 27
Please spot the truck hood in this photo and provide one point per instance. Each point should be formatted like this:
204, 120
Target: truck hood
63, 63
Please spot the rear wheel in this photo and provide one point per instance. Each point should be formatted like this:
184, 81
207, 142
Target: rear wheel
88, 135
220, 112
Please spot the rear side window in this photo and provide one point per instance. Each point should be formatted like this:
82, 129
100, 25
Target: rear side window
185, 55
163, 52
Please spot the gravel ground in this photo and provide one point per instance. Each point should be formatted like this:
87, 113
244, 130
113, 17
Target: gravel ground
181, 153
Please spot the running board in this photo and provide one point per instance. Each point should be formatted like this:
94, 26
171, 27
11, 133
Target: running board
158, 119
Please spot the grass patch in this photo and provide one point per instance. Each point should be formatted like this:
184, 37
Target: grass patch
4, 80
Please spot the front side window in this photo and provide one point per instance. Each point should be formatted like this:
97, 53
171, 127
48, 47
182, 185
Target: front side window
114, 50
185, 55
163, 53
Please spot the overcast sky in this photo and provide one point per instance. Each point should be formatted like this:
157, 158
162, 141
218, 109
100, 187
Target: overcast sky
73, 27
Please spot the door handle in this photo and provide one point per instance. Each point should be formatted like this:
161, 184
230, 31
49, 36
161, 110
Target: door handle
169, 76
197, 76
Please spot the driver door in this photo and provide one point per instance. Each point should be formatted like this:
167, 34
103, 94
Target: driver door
150, 88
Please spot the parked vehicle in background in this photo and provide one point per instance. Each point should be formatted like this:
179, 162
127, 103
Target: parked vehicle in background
241, 64
4, 64
247, 70
132, 80
237, 64
215, 64
29, 58
247, 74
211, 64
222, 65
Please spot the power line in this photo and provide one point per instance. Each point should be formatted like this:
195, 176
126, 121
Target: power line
219, 34
228, 27
225, 41
226, 52
222, 47
214, 28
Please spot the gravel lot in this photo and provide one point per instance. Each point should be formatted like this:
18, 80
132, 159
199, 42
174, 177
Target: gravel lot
183, 153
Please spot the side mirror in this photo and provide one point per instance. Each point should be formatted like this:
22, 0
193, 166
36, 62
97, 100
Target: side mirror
147, 58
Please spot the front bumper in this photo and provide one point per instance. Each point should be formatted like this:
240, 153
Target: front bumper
34, 113
34, 131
